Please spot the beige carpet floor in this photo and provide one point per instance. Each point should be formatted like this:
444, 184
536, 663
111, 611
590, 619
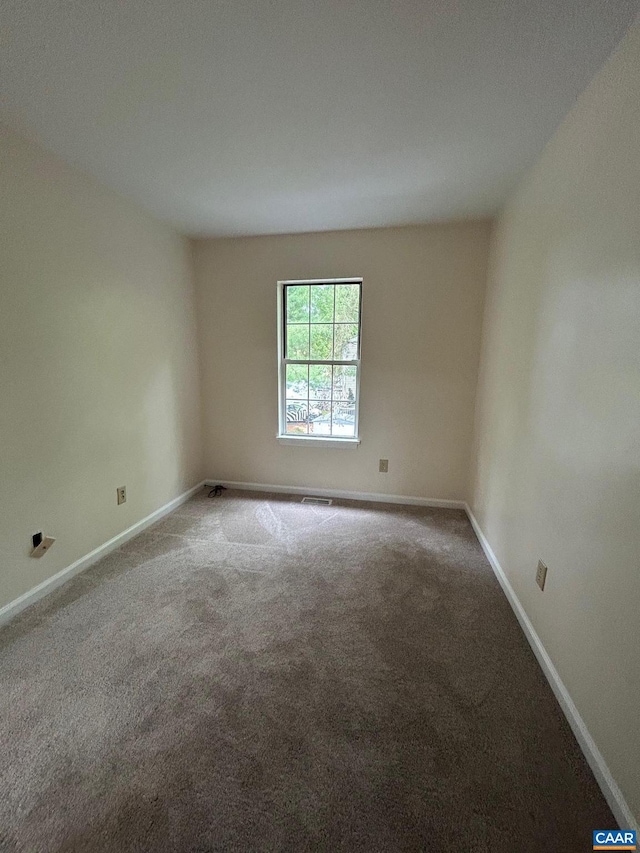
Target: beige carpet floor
255, 674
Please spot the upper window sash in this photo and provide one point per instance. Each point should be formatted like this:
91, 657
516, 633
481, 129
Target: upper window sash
320, 324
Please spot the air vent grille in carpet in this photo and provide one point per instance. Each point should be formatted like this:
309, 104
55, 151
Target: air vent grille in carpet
323, 501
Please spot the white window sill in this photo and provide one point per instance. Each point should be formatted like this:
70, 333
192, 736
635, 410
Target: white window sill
309, 441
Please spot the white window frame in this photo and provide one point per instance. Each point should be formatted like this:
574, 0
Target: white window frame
310, 440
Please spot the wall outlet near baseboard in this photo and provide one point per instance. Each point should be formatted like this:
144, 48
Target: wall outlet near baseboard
43, 545
541, 574
383, 468
122, 495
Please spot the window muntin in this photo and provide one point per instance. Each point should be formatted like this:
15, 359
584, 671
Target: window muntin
320, 323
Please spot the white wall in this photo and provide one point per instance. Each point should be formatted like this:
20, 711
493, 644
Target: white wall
98, 369
557, 466
423, 293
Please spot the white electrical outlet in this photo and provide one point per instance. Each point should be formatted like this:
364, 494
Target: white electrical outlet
541, 574
122, 495
43, 547
383, 468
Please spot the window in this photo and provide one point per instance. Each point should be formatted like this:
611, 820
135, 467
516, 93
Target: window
319, 356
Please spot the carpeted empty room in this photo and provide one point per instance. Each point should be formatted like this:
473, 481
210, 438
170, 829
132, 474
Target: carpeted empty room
254, 673
319, 406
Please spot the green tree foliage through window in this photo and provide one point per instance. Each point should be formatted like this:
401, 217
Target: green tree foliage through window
322, 324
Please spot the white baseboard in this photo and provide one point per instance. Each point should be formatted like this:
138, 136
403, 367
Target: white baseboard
605, 780
17, 605
376, 497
